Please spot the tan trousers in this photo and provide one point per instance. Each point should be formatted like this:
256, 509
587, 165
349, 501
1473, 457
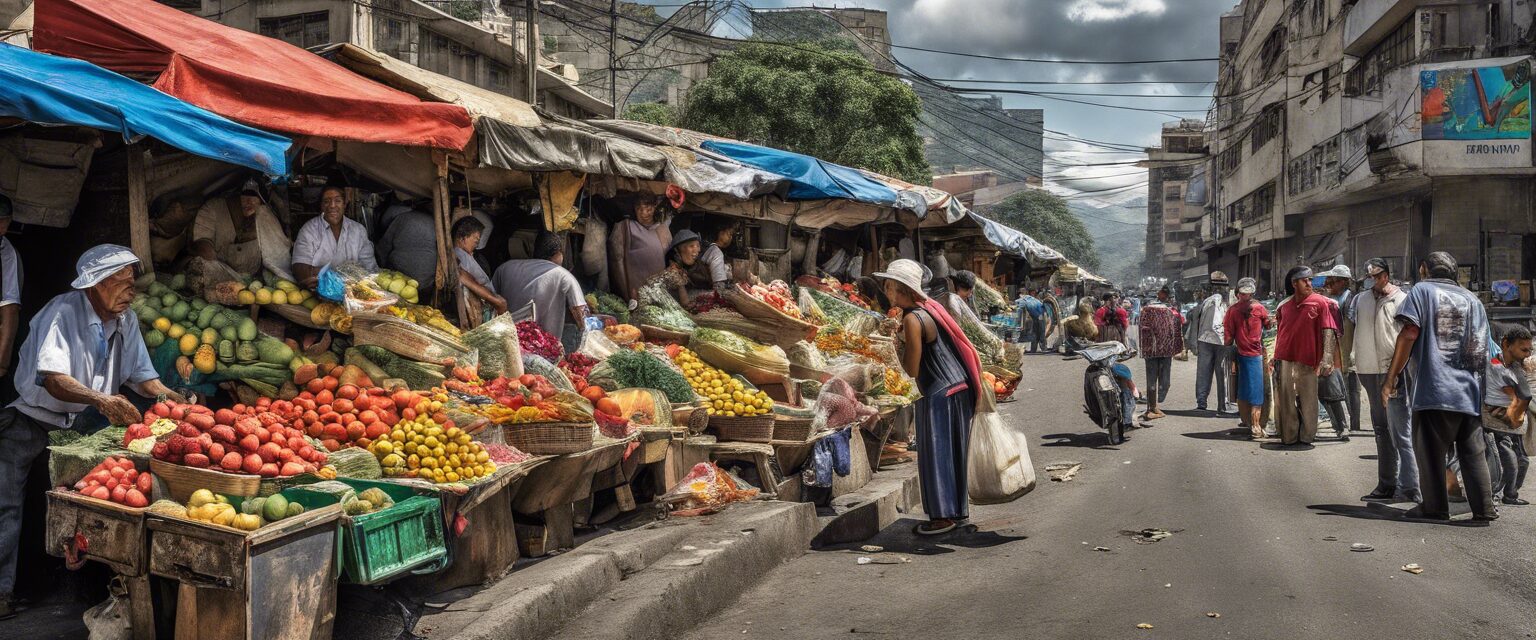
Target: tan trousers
1298, 386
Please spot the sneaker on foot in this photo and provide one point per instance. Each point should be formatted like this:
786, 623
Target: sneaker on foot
1519, 502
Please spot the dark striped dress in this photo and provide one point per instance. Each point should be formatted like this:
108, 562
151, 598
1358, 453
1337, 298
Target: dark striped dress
943, 426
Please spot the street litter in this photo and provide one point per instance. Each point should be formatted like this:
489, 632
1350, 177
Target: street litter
1330, 538
870, 548
1212, 614
1361, 547
1064, 471
884, 559
1147, 536
1143, 626
1101, 548
1413, 568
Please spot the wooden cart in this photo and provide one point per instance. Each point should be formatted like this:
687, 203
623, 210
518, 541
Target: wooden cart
81, 528
277, 582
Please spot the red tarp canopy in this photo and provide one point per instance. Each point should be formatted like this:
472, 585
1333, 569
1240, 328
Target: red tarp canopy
260, 81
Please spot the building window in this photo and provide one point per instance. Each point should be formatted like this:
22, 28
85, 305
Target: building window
1269, 52
1173, 193
303, 30
1229, 159
500, 76
1396, 50
1267, 127
1255, 206
441, 54
391, 38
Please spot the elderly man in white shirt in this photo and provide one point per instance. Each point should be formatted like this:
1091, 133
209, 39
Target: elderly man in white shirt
83, 347
1371, 330
1205, 332
331, 239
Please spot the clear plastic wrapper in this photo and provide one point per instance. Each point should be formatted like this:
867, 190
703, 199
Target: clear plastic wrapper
706, 488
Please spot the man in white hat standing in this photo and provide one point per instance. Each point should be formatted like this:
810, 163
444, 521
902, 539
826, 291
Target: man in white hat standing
83, 347
1340, 391
1206, 333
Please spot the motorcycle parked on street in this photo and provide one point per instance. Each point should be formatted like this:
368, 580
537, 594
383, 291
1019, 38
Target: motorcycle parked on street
1109, 403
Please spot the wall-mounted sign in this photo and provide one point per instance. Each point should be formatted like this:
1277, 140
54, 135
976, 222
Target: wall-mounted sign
1476, 114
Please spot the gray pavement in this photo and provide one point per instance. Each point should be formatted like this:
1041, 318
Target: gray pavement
1259, 536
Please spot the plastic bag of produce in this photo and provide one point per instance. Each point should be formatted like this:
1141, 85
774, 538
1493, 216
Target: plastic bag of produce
838, 406
596, 344
988, 346
999, 468
109, 620
735, 354
642, 369
67, 463
497, 342
707, 488
540, 367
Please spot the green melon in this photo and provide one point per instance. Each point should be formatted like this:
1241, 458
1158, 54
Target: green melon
169, 300
246, 330
228, 333
178, 312
153, 338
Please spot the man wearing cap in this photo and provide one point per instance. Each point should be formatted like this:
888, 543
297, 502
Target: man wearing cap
331, 238
1206, 332
241, 231
1370, 330
83, 346
1340, 391
1445, 338
1305, 349
10, 290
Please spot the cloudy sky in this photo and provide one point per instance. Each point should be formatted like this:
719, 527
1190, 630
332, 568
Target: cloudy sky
1065, 30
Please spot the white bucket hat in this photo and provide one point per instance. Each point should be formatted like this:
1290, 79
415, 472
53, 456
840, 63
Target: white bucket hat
907, 272
1247, 285
101, 261
1337, 271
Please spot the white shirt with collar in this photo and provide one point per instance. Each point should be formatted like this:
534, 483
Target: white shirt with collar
317, 246
10, 274
68, 337
1213, 312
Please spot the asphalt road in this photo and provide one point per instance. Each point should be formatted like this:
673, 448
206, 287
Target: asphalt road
1259, 536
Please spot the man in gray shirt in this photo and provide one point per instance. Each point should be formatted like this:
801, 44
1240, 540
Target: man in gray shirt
552, 289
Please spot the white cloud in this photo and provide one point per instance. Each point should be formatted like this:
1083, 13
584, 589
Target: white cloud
1112, 10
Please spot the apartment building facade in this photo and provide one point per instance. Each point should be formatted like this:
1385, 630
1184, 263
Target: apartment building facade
1346, 130
1177, 198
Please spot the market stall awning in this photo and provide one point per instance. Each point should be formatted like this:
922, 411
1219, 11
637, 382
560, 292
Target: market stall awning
810, 178
250, 78
1018, 243
46, 89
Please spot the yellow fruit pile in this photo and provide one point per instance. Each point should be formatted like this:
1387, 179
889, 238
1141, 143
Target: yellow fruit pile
282, 292
726, 396
205, 506
420, 448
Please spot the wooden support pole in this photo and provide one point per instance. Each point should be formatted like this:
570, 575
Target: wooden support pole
138, 206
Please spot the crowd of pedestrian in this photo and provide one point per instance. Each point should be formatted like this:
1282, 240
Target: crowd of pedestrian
1447, 400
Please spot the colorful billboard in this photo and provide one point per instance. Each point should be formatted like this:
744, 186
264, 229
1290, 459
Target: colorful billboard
1477, 103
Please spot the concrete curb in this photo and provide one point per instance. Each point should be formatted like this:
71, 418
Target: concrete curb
862, 514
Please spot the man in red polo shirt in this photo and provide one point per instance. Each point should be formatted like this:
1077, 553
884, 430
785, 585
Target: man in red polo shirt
1305, 348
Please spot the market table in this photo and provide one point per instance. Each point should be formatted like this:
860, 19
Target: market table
477, 518
81, 528
549, 492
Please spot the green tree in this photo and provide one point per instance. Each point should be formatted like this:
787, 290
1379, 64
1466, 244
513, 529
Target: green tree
652, 112
1046, 218
814, 100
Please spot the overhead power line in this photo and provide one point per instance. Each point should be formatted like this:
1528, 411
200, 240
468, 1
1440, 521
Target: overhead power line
1047, 60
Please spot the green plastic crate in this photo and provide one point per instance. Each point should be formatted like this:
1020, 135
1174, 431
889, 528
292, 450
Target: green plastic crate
380, 546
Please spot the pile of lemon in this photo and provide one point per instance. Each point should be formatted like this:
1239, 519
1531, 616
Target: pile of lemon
725, 395
421, 448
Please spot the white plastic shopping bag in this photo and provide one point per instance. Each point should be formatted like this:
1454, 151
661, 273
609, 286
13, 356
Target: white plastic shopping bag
1000, 469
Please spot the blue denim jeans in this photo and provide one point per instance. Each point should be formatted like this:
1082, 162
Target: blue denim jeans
1393, 425
1214, 360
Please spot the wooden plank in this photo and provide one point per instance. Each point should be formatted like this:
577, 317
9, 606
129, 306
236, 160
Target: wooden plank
560, 522
625, 496
114, 534
209, 614
483, 552
138, 206
141, 607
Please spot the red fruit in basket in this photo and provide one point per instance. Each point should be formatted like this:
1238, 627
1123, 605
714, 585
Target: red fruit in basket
331, 445
324, 396
290, 469
191, 447
224, 434
101, 493
295, 442
250, 443
268, 470
231, 461
334, 431
144, 482
225, 417
111, 483
246, 426
315, 430
187, 431
119, 493
251, 463
196, 460
175, 443
160, 409
205, 441
201, 421
115, 471
268, 452
135, 498
215, 451
160, 450
609, 406
355, 431
262, 435
375, 430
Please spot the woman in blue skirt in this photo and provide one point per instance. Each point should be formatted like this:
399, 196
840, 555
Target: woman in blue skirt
937, 354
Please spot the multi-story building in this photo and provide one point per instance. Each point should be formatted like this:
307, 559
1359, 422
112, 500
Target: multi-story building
1176, 199
420, 34
1377, 128
653, 58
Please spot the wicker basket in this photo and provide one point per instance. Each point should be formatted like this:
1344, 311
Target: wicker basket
658, 334
743, 429
180, 480
792, 429
294, 313
550, 438
690, 417
749, 306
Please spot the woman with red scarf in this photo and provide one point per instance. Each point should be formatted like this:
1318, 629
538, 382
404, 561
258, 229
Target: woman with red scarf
1113, 320
937, 354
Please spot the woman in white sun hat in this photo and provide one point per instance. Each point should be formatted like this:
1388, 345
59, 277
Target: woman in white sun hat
937, 354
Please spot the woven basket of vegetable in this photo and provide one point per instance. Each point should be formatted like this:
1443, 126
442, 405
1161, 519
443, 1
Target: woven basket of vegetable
743, 429
294, 313
755, 308
550, 438
658, 334
693, 417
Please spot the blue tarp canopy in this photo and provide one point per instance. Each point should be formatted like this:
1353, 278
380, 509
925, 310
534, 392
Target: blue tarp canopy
1017, 243
810, 178
46, 89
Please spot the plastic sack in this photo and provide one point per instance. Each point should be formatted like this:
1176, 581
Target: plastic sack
109, 620
707, 488
331, 286
497, 343
1000, 469
837, 406
597, 345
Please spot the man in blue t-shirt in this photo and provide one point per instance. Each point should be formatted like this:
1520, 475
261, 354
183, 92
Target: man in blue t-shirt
1445, 335
1034, 312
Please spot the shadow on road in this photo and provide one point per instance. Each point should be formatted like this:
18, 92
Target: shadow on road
899, 538
1370, 457
1097, 440
1236, 434
1189, 413
1276, 446
1363, 512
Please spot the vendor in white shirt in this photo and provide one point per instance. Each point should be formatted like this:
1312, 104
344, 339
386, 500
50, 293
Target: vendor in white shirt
240, 231
331, 239
83, 347
10, 289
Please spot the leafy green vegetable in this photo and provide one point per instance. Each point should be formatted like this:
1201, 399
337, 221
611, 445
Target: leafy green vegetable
640, 369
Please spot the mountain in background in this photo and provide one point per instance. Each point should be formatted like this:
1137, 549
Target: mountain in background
1119, 229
